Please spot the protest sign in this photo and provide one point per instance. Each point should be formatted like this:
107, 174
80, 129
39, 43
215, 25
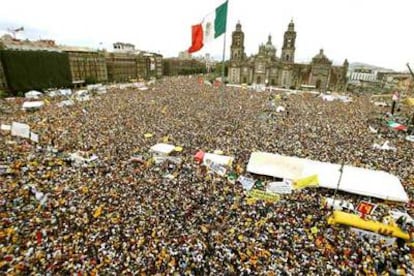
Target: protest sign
281, 187
21, 130
246, 182
310, 181
259, 194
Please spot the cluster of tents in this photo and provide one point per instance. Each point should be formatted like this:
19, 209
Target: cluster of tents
35, 100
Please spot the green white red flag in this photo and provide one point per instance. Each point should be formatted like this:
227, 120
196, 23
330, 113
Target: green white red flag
212, 26
397, 126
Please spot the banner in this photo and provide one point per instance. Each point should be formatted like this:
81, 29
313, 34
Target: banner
218, 158
352, 220
410, 101
284, 187
310, 181
5, 127
337, 204
373, 237
217, 168
21, 130
246, 182
34, 137
366, 208
258, 194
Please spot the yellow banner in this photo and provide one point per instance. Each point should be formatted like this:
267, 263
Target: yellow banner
310, 181
258, 194
410, 101
339, 217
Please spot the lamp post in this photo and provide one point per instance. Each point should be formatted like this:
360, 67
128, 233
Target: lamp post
341, 170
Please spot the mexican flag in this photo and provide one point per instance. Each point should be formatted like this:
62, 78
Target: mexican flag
397, 126
212, 26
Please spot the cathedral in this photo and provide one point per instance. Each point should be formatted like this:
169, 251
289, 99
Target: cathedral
266, 68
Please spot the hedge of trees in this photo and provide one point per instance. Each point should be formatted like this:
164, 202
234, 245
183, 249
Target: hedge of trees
27, 70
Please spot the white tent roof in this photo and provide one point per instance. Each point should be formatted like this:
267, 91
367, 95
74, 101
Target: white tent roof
65, 92
81, 92
33, 105
162, 148
66, 103
21, 130
53, 93
33, 94
355, 180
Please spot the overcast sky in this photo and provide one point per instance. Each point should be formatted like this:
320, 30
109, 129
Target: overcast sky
377, 32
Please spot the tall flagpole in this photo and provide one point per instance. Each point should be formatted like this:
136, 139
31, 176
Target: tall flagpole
223, 85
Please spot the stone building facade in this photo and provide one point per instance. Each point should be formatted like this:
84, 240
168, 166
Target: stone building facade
154, 65
266, 68
86, 65
177, 66
121, 66
127, 64
136, 65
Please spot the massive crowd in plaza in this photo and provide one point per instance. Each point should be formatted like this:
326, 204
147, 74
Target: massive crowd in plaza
125, 214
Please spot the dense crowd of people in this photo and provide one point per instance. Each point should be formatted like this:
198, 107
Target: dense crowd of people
117, 216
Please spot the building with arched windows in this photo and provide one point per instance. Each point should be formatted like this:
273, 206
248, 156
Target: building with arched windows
266, 68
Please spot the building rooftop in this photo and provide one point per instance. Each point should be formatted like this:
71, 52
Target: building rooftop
16, 44
40, 45
66, 48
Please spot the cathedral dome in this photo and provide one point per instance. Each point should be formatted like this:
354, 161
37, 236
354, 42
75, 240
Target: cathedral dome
238, 26
320, 58
269, 46
291, 26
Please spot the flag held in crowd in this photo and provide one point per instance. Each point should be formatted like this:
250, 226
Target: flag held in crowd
397, 126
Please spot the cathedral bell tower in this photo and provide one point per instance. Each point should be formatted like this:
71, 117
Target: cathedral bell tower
288, 49
237, 45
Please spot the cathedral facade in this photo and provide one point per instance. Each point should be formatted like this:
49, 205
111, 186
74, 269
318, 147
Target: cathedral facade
266, 68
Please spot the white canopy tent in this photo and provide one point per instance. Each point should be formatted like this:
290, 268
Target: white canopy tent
65, 92
20, 129
66, 103
162, 149
378, 184
32, 105
53, 93
33, 94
